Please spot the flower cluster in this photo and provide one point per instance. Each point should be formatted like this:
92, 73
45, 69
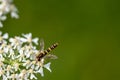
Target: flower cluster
7, 6
18, 58
18, 55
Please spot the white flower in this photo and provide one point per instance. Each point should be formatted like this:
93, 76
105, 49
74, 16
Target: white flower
3, 37
16, 42
28, 38
14, 76
8, 70
33, 64
27, 64
12, 54
6, 7
47, 66
16, 66
5, 77
7, 48
2, 18
41, 71
31, 72
14, 12
2, 73
1, 54
23, 75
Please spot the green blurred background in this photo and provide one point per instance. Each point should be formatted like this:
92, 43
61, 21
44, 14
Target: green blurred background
88, 32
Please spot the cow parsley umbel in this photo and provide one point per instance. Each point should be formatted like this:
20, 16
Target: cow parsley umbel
19, 57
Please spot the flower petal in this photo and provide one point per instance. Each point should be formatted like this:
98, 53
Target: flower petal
2, 18
5, 36
11, 40
47, 66
23, 39
14, 15
32, 76
35, 40
27, 35
41, 71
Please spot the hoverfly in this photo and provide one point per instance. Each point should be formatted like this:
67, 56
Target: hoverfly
45, 53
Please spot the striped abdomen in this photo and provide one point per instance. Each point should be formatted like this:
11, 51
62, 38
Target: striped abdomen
50, 48
45, 52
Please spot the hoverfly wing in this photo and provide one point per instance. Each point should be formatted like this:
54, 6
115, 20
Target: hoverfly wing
41, 45
51, 56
